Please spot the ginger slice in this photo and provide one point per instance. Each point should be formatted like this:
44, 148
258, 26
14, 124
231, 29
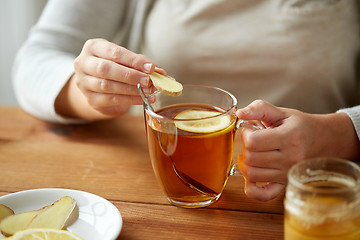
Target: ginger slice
16, 222
166, 84
58, 215
5, 211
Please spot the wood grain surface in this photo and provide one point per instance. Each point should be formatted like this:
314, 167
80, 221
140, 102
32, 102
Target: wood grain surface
110, 159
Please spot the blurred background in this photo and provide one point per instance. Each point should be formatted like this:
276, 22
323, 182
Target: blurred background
16, 19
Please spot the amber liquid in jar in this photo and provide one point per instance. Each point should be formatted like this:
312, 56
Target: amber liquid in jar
325, 208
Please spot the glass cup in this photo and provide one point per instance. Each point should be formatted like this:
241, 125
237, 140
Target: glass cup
192, 154
323, 200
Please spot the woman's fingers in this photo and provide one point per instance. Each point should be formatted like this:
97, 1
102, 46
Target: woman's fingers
100, 85
261, 140
160, 70
262, 183
263, 192
104, 49
259, 174
269, 159
263, 111
114, 110
108, 74
265, 157
106, 69
100, 100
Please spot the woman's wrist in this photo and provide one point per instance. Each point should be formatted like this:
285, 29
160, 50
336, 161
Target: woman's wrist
338, 136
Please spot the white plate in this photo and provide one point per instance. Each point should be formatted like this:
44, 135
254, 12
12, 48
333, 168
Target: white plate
98, 218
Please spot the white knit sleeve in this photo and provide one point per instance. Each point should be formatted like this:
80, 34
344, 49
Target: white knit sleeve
45, 62
354, 114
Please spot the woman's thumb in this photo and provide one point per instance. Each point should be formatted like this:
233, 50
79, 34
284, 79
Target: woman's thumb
262, 111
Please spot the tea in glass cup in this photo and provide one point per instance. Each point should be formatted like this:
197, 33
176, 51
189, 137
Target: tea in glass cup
190, 140
323, 200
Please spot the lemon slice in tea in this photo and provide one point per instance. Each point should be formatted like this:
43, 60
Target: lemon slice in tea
208, 125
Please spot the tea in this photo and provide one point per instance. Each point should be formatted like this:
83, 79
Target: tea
191, 166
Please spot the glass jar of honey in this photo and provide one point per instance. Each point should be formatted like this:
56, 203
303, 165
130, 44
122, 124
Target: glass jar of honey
323, 200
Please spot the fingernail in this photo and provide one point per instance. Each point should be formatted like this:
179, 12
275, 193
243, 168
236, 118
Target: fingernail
144, 81
146, 90
147, 67
246, 110
151, 98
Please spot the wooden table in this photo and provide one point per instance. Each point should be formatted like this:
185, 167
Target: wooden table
110, 159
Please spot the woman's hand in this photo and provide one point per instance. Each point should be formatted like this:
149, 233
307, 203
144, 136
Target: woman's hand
289, 136
104, 82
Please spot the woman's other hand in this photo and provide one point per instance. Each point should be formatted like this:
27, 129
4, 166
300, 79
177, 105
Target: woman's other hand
289, 136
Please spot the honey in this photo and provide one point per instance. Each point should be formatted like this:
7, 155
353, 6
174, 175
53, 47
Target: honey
323, 201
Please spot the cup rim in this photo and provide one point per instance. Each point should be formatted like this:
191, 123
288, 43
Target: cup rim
163, 118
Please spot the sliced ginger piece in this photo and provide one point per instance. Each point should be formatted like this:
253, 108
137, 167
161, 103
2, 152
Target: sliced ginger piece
166, 84
14, 223
59, 215
5, 211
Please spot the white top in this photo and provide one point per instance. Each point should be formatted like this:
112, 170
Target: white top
297, 54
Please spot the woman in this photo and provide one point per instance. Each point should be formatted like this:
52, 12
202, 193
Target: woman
83, 59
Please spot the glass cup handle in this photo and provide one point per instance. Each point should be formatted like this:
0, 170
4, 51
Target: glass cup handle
253, 124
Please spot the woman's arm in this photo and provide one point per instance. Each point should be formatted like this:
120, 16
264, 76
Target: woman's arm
45, 63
